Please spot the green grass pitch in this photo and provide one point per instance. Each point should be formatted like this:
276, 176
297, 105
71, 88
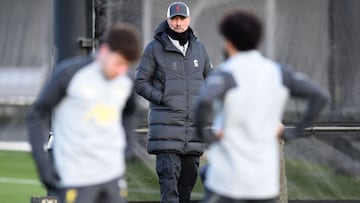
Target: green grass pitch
19, 181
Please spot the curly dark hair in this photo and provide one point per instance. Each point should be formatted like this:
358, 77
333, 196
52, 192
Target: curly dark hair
124, 39
242, 28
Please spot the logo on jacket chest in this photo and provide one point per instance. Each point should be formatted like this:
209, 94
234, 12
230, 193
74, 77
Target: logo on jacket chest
174, 65
196, 63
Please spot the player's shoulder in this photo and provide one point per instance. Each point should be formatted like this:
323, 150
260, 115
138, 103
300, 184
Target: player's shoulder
153, 44
73, 64
221, 76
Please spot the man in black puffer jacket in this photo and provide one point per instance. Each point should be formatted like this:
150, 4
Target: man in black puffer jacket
170, 74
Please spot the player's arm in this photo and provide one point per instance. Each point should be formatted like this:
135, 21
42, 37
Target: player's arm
39, 126
128, 115
216, 86
301, 86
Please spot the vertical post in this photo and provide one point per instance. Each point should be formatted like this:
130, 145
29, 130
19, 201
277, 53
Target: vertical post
270, 8
73, 28
283, 196
146, 21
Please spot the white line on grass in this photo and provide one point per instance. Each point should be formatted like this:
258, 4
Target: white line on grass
17, 146
19, 181
23, 181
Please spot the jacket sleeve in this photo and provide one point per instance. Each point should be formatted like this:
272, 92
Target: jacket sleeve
39, 125
301, 86
144, 76
40, 112
216, 86
208, 65
128, 124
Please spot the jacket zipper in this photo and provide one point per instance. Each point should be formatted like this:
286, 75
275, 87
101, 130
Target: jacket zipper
187, 104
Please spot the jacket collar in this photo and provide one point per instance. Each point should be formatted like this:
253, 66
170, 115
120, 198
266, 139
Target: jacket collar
161, 36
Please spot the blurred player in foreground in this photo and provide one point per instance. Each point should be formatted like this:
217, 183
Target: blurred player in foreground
248, 93
88, 98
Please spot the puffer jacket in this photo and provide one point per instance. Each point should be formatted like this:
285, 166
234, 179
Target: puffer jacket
171, 81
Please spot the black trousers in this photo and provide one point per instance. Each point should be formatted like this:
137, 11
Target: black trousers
109, 192
212, 197
177, 176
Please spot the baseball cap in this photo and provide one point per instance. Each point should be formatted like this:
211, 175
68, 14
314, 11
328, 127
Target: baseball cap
178, 9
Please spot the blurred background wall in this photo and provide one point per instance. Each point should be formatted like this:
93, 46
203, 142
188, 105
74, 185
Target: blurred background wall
25, 60
320, 38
